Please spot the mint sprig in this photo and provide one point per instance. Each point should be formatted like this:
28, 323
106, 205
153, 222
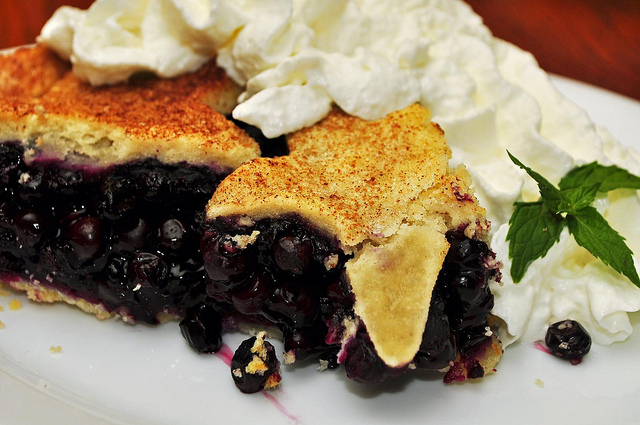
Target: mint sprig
535, 227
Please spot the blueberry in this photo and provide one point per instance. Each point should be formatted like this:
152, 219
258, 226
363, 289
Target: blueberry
292, 304
223, 260
131, 235
250, 297
86, 237
255, 366
438, 347
117, 197
568, 340
149, 270
117, 268
293, 254
202, 328
115, 289
31, 226
362, 363
172, 234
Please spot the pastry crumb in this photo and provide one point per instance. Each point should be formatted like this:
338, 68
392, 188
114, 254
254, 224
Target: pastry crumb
324, 365
273, 381
24, 178
14, 305
289, 357
331, 261
55, 349
243, 241
539, 383
1, 325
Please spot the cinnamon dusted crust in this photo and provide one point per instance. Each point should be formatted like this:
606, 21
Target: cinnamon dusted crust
174, 120
385, 190
29, 72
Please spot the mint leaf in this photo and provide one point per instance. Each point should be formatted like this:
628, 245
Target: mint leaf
552, 196
535, 226
591, 230
581, 196
607, 177
533, 230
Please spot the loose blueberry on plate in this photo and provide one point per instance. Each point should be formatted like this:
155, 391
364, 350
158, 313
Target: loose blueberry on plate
202, 328
255, 366
568, 340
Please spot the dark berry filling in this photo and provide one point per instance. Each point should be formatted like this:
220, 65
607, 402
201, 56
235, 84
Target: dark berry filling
463, 286
125, 236
291, 274
568, 340
283, 272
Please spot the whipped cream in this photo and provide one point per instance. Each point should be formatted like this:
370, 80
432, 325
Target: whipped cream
297, 58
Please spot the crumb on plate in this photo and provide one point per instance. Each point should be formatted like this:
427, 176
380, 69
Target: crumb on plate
14, 305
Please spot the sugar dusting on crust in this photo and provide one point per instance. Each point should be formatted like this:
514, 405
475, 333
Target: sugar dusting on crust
30, 71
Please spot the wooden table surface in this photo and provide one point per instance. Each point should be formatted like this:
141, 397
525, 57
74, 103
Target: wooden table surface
595, 41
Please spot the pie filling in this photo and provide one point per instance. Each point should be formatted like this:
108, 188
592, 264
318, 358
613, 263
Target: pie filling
291, 274
124, 237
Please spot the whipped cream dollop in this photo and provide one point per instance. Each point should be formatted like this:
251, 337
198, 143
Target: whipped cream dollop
297, 58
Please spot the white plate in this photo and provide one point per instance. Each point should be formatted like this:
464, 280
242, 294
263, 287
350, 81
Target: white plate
114, 373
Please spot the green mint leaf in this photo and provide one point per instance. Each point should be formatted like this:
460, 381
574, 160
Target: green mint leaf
533, 230
552, 196
608, 177
581, 197
591, 230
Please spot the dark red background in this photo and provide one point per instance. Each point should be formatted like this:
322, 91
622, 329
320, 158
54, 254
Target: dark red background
595, 41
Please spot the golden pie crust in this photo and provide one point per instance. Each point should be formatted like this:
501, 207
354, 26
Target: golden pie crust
173, 120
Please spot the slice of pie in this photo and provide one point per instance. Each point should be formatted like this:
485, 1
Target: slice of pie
100, 188
363, 247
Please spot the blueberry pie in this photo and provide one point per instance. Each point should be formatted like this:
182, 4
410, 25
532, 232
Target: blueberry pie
101, 188
360, 244
363, 247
